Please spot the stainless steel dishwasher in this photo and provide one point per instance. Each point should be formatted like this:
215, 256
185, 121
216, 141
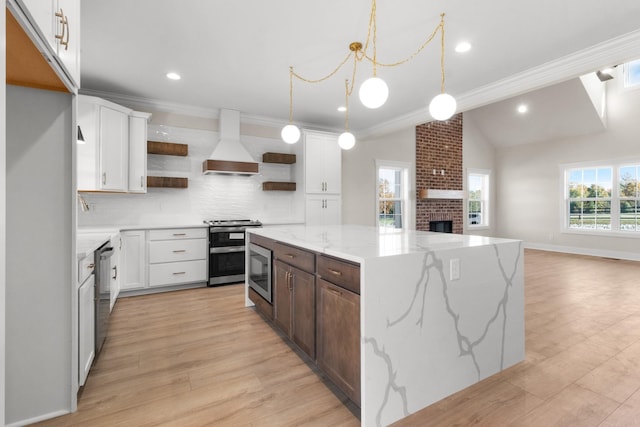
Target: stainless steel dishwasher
102, 293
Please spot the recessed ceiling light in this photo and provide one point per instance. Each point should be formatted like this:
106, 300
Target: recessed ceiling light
522, 108
463, 47
342, 108
173, 76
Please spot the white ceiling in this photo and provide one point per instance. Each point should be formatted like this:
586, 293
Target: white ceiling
236, 54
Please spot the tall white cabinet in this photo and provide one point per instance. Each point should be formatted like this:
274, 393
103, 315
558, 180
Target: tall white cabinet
323, 178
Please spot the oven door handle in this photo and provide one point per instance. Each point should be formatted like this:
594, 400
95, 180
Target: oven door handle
226, 250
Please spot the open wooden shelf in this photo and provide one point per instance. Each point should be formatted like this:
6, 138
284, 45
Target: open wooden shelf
167, 148
278, 186
167, 182
283, 158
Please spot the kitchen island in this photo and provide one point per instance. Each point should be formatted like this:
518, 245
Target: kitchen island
438, 312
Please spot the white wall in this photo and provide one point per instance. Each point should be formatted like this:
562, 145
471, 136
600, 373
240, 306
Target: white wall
208, 196
529, 193
478, 153
39, 241
359, 174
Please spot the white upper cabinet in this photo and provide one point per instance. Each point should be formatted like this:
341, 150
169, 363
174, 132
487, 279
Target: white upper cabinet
113, 156
323, 163
59, 24
138, 152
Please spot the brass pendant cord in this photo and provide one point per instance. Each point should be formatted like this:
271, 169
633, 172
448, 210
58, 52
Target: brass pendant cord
359, 53
346, 97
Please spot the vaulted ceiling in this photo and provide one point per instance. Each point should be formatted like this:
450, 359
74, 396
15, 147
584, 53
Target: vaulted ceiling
236, 54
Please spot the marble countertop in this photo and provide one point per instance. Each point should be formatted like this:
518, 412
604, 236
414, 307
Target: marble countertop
88, 239
358, 243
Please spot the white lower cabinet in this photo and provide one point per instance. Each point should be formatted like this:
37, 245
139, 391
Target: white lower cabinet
116, 269
177, 256
134, 260
323, 210
86, 328
163, 257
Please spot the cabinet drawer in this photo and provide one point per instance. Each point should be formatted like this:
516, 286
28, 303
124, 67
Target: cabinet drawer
174, 273
339, 272
261, 241
178, 233
85, 268
177, 250
297, 257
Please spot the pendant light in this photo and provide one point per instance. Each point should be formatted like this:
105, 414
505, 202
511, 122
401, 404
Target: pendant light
442, 106
346, 140
290, 133
374, 91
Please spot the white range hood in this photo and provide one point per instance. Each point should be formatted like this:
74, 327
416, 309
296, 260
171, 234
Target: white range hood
229, 156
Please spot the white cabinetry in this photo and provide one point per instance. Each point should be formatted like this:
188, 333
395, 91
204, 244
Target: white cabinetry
116, 269
177, 256
323, 182
133, 260
59, 23
323, 210
86, 317
323, 163
138, 152
103, 159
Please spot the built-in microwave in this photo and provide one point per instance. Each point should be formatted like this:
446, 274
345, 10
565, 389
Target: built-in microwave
260, 270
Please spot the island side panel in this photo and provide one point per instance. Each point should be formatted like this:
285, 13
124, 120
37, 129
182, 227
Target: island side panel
425, 336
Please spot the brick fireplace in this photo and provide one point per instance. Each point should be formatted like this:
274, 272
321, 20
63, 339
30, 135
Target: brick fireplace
439, 167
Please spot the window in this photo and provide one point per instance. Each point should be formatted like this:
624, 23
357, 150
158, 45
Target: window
478, 198
631, 72
630, 198
603, 198
393, 194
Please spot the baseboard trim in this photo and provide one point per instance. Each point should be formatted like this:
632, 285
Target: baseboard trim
628, 256
38, 418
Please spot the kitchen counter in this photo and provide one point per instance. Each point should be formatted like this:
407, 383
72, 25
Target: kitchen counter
438, 312
90, 239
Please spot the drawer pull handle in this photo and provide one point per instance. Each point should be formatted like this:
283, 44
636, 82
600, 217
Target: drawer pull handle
335, 292
335, 272
179, 250
289, 256
179, 272
179, 234
90, 266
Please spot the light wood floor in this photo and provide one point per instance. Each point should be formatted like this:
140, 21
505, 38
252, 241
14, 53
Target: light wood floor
197, 357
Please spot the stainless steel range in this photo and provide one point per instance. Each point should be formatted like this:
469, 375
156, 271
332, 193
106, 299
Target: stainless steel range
227, 249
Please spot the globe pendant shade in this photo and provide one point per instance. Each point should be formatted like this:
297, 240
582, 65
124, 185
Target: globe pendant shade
346, 140
442, 106
290, 134
373, 92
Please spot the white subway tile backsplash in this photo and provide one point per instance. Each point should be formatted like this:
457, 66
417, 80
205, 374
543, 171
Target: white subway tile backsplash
208, 196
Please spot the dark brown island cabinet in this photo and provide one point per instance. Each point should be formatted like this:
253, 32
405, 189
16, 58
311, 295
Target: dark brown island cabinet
294, 288
316, 304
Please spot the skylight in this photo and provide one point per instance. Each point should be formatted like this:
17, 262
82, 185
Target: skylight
632, 74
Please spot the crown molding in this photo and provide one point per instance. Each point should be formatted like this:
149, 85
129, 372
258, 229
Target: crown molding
611, 52
148, 104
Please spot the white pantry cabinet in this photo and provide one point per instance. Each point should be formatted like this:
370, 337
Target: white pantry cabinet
138, 152
133, 274
59, 23
323, 210
323, 163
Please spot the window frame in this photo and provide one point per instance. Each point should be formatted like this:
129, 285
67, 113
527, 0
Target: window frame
405, 200
615, 166
625, 75
485, 200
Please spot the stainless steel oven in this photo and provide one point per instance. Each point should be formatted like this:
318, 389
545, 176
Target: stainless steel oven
227, 250
260, 270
